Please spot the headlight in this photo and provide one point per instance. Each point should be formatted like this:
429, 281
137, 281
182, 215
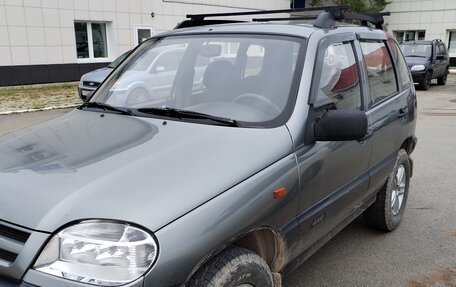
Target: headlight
98, 252
418, 68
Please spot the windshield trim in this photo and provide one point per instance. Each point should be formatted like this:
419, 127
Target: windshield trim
280, 120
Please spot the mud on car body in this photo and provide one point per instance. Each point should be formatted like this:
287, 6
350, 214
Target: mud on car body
272, 137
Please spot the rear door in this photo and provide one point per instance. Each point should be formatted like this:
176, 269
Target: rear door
333, 175
388, 107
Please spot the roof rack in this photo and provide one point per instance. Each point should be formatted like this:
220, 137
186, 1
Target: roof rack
200, 19
325, 19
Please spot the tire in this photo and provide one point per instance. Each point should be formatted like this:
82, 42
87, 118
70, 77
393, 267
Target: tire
233, 267
136, 96
384, 214
442, 80
426, 83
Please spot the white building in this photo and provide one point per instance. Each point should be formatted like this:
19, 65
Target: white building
59, 40
424, 20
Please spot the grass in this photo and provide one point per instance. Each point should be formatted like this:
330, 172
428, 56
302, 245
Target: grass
38, 97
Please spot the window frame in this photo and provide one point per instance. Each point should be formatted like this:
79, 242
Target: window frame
91, 58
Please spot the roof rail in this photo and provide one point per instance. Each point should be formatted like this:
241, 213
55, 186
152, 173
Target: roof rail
200, 19
325, 19
263, 12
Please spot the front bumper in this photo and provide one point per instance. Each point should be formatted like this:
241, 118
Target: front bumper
419, 77
85, 92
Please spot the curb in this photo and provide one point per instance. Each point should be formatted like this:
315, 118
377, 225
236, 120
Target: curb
38, 110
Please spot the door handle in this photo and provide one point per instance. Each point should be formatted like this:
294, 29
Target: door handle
402, 113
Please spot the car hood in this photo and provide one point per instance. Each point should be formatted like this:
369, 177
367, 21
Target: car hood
97, 76
416, 61
89, 165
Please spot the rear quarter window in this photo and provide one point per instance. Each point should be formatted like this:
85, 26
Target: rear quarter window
401, 66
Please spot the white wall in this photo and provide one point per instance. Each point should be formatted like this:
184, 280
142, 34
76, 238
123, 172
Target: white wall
42, 31
436, 17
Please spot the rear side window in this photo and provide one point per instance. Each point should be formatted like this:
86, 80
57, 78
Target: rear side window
401, 66
338, 82
380, 70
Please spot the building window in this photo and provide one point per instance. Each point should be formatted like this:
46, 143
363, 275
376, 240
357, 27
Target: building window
402, 36
452, 43
91, 40
298, 4
143, 33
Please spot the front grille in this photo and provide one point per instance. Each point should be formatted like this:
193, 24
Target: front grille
90, 84
11, 236
7, 255
12, 233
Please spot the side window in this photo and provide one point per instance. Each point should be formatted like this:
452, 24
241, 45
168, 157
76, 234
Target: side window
401, 66
380, 71
338, 83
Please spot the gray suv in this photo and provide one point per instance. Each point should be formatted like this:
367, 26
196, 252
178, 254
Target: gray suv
234, 179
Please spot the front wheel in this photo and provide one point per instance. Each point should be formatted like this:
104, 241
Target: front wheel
425, 84
386, 212
234, 267
442, 80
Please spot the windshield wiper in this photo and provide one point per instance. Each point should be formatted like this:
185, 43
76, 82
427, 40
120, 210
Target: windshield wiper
106, 107
185, 114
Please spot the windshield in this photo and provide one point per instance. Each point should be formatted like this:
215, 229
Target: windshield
415, 50
241, 78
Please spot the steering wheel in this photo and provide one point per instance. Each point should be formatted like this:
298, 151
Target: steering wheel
249, 98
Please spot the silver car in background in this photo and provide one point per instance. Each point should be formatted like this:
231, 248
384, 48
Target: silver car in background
89, 82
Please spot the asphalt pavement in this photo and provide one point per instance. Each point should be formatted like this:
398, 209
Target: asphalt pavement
422, 251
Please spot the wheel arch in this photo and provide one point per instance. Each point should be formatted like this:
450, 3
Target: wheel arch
264, 241
409, 145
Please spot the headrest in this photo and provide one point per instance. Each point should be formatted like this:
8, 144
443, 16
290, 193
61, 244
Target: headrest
218, 74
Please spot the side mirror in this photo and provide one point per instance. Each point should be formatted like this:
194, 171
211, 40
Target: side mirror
338, 125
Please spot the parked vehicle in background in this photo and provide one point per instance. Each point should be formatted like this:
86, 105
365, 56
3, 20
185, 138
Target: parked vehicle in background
89, 82
251, 145
426, 60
